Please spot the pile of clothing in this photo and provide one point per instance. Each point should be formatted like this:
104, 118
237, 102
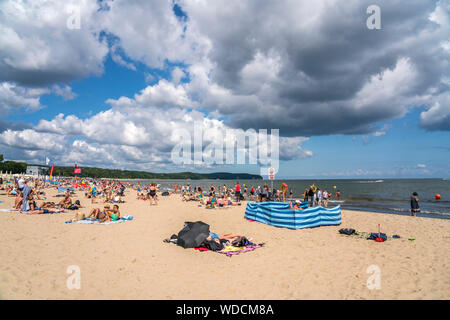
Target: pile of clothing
198, 236
377, 236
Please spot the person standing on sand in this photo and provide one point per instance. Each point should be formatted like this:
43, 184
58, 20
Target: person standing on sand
305, 195
414, 204
212, 191
319, 197
311, 194
26, 192
325, 198
237, 192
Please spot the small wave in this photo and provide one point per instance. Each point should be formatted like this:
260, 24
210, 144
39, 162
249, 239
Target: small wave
421, 211
370, 181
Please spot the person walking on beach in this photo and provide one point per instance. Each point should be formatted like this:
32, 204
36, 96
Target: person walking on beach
291, 194
414, 204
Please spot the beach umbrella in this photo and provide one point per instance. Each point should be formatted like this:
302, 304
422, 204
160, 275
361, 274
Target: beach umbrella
193, 234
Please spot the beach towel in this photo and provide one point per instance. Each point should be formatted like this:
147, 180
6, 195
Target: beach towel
231, 250
9, 210
64, 189
92, 220
205, 207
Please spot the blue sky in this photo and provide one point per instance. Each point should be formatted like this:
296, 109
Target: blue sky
113, 92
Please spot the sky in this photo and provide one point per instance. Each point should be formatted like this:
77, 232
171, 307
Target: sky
111, 83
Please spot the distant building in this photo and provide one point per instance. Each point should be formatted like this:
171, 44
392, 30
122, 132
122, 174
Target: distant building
36, 170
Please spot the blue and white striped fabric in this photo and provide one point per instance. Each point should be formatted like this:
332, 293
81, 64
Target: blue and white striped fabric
279, 214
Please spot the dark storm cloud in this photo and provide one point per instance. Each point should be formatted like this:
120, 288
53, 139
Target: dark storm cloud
325, 64
5, 125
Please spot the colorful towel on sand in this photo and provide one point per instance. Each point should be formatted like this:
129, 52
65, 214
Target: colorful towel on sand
92, 220
231, 250
205, 207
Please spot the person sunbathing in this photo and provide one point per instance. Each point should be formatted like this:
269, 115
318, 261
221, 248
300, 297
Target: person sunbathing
96, 213
222, 202
226, 239
113, 215
47, 205
118, 199
227, 236
11, 191
43, 211
212, 202
66, 202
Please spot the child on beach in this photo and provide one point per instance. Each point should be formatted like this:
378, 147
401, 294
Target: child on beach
414, 204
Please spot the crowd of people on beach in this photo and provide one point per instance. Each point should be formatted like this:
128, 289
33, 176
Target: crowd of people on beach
28, 192
224, 195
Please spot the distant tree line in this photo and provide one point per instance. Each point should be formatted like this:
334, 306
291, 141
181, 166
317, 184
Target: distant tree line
92, 172
12, 166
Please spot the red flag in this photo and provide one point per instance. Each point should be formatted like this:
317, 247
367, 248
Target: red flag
51, 170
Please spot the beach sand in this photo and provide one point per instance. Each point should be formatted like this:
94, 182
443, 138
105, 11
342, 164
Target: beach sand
130, 260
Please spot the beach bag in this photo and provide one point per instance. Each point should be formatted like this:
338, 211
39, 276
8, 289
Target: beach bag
212, 245
374, 236
72, 207
165, 193
240, 242
347, 231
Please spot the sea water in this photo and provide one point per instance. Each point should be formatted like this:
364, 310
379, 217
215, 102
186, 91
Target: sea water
379, 195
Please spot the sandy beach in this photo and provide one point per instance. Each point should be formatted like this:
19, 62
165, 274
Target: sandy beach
129, 260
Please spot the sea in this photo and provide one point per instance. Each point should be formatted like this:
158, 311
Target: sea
376, 195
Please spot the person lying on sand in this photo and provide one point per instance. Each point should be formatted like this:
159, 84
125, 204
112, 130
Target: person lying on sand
227, 236
96, 213
43, 210
227, 239
47, 205
113, 215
